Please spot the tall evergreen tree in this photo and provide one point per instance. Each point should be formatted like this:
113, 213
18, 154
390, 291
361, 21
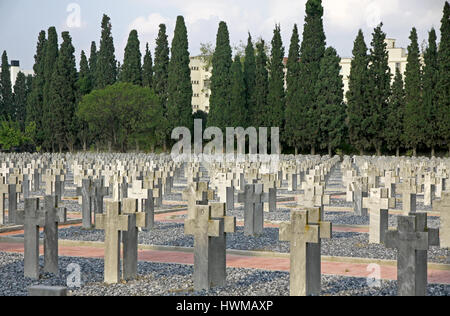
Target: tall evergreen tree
220, 80
430, 93
85, 85
237, 110
379, 88
179, 103
84, 77
63, 96
51, 55
261, 85
249, 79
106, 68
358, 97
330, 101
36, 97
93, 64
160, 78
443, 86
311, 52
293, 114
132, 66
6, 97
20, 100
276, 96
395, 114
414, 122
147, 69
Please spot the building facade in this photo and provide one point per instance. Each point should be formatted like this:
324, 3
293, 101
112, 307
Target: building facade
14, 69
201, 77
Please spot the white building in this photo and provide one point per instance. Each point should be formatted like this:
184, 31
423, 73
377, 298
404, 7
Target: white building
201, 77
14, 70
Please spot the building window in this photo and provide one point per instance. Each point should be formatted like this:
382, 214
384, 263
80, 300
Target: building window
195, 82
398, 66
207, 95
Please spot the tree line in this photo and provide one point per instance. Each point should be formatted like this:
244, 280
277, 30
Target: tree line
136, 104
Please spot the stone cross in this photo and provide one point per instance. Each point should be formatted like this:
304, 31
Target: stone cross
196, 193
146, 203
209, 228
409, 201
253, 209
136, 220
32, 218
113, 223
429, 189
87, 196
412, 240
378, 205
9, 189
305, 230
53, 216
100, 191
443, 206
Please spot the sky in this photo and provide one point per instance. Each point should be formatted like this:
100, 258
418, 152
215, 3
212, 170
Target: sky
22, 20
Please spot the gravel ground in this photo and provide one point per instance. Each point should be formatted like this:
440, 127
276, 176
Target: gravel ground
156, 279
343, 244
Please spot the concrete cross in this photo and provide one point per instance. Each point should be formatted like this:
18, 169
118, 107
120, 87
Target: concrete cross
208, 228
378, 205
100, 191
53, 217
412, 240
113, 223
429, 188
195, 194
32, 218
146, 202
87, 196
136, 220
443, 206
10, 190
253, 209
305, 230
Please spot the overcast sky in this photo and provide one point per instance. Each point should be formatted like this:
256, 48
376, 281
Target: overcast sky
21, 21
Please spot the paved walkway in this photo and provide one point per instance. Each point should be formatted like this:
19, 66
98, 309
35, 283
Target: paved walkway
387, 272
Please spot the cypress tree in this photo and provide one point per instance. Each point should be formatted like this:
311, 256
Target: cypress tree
179, 103
395, 114
237, 110
84, 77
147, 69
414, 112
293, 116
20, 100
106, 68
330, 101
430, 93
63, 95
379, 88
160, 78
6, 97
51, 56
132, 66
443, 85
311, 52
36, 97
93, 64
249, 79
358, 97
261, 85
220, 80
276, 96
